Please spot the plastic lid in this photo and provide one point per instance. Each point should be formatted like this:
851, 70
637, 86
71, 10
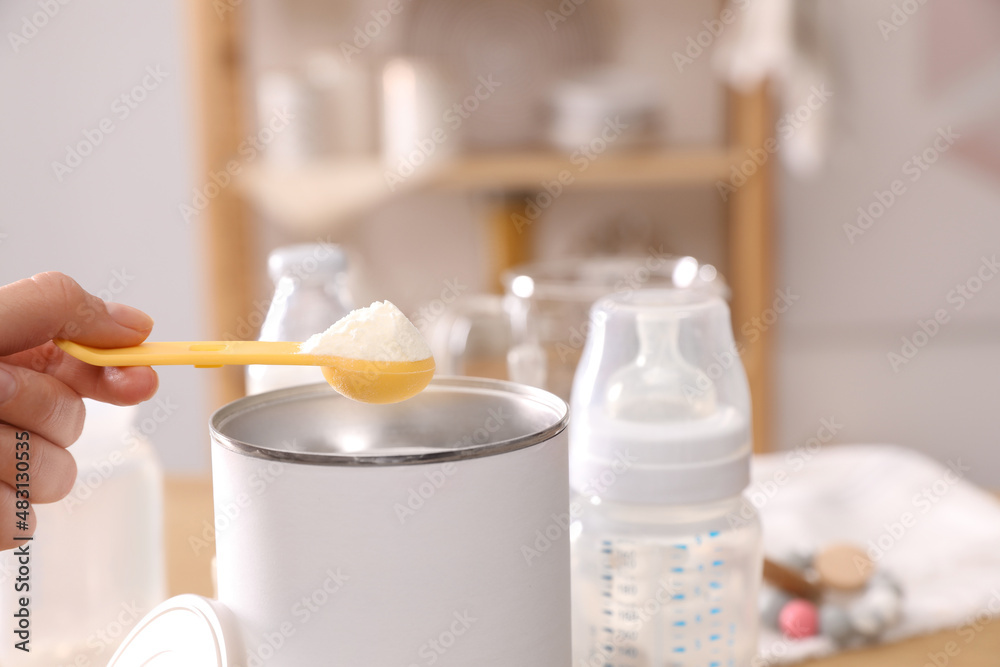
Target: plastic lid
687, 463
305, 259
661, 404
184, 631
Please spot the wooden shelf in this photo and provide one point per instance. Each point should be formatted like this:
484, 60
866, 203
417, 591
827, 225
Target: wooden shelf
322, 194
612, 169
314, 199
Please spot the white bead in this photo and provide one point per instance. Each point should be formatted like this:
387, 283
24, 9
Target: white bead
886, 601
799, 559
874, 611
834, 623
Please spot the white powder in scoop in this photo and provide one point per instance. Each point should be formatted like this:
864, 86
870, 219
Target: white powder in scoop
380, 332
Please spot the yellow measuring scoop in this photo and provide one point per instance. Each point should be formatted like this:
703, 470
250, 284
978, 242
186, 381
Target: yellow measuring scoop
365, 380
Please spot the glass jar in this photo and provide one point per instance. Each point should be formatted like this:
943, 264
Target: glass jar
310, 294
548, 305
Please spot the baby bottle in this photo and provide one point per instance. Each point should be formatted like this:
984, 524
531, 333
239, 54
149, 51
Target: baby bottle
97, 562
310, 294
666, 554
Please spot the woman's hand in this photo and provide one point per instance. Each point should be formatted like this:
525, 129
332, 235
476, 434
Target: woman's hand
41, 387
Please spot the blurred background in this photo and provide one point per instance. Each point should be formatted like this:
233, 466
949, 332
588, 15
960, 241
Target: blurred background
837, 162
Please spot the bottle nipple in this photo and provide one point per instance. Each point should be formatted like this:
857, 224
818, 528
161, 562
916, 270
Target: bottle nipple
660, 384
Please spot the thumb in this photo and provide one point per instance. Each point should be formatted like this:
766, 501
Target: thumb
52, 305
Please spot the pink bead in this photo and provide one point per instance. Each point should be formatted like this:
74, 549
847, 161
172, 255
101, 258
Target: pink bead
799, 619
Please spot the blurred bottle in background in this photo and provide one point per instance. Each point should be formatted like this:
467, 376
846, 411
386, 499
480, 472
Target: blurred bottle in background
310, 294
97, 563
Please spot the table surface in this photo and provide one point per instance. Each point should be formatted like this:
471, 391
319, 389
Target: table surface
190, 546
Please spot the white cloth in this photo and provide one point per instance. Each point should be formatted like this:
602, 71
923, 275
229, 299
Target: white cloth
763, 45
947, 560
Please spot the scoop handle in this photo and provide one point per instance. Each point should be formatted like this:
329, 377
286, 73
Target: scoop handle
201, 354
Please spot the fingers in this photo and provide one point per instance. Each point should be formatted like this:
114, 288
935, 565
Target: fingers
40, 404
52, 305
120, 386
9, 527
50, 470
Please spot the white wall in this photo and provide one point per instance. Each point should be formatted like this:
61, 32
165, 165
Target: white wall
117, 211
860, 299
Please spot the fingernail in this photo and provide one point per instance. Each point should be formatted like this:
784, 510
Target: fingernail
130, 317
8, 385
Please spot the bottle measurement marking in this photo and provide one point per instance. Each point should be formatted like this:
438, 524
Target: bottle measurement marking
636, 627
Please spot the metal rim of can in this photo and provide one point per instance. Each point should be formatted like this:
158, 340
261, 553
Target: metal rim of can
473, 451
